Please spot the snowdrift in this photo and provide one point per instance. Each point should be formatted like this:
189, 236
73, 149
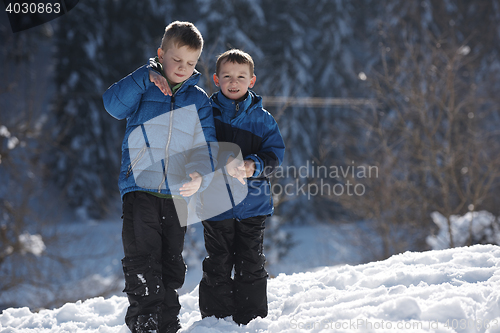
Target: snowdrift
454, 290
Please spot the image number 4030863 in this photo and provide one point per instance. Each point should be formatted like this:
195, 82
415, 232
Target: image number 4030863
24, 15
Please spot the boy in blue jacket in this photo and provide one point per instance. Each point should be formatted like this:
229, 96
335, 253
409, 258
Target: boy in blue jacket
165, 158
234, 239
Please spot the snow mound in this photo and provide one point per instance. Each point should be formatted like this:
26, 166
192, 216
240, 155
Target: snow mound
454, 290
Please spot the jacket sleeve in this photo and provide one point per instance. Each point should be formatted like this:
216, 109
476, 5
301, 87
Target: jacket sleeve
271, 151
122, 99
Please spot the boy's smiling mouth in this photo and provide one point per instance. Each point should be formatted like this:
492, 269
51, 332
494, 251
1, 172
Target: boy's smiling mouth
234, 90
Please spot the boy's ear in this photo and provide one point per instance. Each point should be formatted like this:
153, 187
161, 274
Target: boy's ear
216, 80
160, 53
252, 81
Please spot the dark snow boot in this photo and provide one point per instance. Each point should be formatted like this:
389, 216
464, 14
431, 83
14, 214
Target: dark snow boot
145, 324
171, 327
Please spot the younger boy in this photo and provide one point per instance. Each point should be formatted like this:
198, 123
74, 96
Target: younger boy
164, 155
234, 239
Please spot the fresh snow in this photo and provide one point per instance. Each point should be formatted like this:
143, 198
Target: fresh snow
453, 290
482, 226
31, 244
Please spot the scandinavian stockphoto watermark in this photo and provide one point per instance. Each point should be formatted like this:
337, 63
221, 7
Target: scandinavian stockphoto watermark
311, 180
164, 151
363, 324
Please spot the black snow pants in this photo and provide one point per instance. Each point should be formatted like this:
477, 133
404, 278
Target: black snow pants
234, 244
154, 269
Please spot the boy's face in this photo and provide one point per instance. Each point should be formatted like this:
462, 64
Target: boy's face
178, 62
234, 79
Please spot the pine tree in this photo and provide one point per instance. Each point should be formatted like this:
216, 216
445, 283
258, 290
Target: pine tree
98, 43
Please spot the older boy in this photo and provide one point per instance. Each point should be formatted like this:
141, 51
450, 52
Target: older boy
234, 239
164, 156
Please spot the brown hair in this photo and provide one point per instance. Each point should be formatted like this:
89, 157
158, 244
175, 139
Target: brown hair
182, 34
235, 56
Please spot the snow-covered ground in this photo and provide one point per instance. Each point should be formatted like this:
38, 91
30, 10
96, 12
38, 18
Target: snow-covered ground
454, 290
313, 246
95, 252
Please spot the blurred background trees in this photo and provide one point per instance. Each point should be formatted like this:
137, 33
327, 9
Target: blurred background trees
433, 133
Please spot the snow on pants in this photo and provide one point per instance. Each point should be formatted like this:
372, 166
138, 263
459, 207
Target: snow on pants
234, 244
154, 269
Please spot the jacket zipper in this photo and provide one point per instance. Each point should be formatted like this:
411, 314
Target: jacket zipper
135, 161
171, 123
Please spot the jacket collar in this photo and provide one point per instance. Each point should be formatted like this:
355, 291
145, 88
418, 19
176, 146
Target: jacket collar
229, 104
190, 81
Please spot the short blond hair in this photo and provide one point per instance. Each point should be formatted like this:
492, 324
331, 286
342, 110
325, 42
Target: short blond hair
235, 56
181, 34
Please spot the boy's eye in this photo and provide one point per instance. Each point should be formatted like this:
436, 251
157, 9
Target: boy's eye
177, 60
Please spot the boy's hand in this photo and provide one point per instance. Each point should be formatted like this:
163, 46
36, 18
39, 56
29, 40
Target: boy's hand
249, 168
236, 168
191, 187
160, 82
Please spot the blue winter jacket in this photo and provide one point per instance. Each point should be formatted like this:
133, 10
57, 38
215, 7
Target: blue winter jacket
256, 133
166, 138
